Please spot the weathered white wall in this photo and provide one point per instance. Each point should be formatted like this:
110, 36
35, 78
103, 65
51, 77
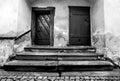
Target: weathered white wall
8, 17
61, 21
8, 27
24, 16
97, 15
15, 19
23, 25
6, 49
97, 24
112, 29
112, 16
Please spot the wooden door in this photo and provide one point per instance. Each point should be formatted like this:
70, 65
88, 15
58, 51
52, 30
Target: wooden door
43, 28
79, 31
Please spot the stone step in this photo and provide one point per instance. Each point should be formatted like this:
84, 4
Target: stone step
57, 56
31, 63
85, 65
58, 65
30, 66
61, 49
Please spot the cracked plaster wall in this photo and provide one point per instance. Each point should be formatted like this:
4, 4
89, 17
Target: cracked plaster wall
15, 19
8, 27
6, 49
23, 25
112, 29
106, 28
98, 25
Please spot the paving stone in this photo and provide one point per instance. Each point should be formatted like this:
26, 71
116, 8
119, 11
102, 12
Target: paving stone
77, 80
45, 77
3, 79
39, 77
66, 77
32, 80
39, 80
77, 77
61, 80
67, 80
62, 77
58, 77
52, 78
33, 77
72, 78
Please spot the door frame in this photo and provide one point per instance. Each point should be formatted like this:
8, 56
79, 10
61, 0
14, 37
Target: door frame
70, 23
33, 23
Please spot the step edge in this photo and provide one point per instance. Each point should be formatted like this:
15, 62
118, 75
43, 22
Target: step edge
59, 62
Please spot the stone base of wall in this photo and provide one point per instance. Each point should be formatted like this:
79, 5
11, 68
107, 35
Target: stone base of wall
6, 49
113, 47
108, 44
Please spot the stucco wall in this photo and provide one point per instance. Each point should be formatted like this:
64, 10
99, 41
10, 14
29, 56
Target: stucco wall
24, 16
61, 21
98, 25
8, 17
15, 19
8, 27
6, 49
23, 25
112, 29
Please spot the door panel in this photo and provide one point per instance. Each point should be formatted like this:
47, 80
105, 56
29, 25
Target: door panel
42, 34
79, 31
79, 41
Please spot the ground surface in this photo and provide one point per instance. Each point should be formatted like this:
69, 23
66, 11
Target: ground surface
65, 76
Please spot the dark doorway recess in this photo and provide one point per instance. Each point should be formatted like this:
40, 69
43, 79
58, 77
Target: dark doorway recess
42, 26
79, 26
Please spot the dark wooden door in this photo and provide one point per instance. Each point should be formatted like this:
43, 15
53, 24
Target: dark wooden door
43, 28
79, 31
42, 34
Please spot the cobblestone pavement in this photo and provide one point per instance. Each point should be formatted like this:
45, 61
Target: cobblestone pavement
67, 78
32, 76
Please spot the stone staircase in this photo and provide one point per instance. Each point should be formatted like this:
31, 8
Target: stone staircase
59, 59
